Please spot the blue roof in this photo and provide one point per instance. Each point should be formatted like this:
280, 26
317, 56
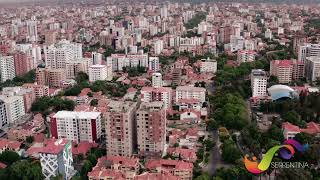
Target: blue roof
281, 91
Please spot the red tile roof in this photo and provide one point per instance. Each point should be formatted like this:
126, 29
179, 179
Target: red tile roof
10, 144
290, 127
185, 154
106, 173
125, 161
168, 164
156, 176
85, 91
82, 148
312, 128
51, 146
2, 165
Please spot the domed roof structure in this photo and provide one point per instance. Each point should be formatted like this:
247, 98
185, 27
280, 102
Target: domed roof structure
281, 91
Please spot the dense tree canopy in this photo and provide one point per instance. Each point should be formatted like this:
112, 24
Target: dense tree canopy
22, 170
9, 157
19, 80
47, 104
230, 111
193, 22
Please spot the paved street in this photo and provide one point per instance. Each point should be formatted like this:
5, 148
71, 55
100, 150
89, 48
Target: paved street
216, 159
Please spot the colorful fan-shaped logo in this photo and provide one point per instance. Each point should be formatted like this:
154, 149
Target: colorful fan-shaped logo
286, 151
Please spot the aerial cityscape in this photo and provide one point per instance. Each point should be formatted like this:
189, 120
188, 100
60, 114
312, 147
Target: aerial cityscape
159, 90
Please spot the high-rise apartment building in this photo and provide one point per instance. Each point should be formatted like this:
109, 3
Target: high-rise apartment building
3, 115
76, 126
56, 77
164, 94
39, 90
56, 56
156, 80
7, 70
151, 129
246, 56
158, 47
76, 66
14, 107
121, 128
23, 63
259, 81
100, 73
312, 68
32, 31
27, 94
96, 58
308, 50
50, 77
287, 70
154, 64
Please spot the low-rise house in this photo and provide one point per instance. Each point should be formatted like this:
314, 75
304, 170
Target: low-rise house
178, 168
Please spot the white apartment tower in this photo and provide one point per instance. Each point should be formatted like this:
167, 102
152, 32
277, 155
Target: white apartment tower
312, 65
3, 115
156, 80
308, 50
100, 73
57, 58
268, 34
14, 107
259, 81
76, 126
158, 47
7, 70
96, 58
32, 32
154, 64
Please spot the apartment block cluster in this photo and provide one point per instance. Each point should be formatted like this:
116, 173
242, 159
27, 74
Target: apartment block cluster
16, 102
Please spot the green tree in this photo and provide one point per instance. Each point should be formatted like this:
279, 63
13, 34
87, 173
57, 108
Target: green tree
9, 157
212, 125
304, 138
209, 144
292, 117
193, 22
294, 174
73, 91
230, 152
92, 158
30, 139
203, 176
90, 94
25, 169
87, 166
81, 77
94, 102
